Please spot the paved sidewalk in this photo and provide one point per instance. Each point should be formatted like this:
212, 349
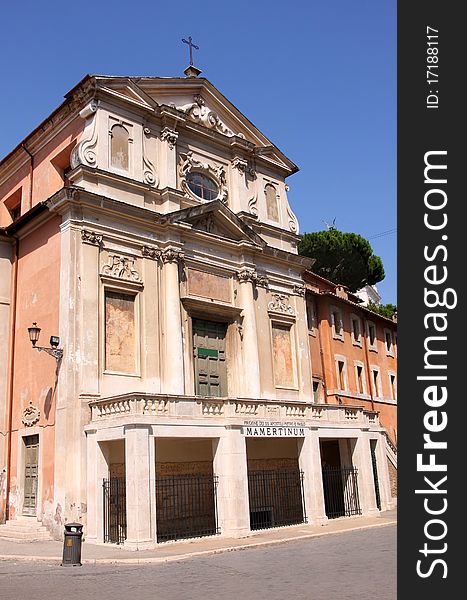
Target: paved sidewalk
51, 551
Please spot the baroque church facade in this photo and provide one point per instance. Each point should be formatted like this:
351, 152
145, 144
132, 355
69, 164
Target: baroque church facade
146, 223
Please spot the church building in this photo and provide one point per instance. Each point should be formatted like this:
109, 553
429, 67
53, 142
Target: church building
155, 372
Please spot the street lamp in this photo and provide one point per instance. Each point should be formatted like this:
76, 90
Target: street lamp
34, 333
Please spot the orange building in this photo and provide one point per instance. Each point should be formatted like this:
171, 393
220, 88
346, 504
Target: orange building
353, 353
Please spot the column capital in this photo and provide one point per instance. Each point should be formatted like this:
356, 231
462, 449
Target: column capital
247, 275
170, 255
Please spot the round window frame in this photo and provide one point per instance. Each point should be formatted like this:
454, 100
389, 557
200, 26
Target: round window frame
215, 183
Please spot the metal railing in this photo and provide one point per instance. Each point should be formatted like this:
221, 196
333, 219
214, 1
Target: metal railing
114, 496
276, 498
340, 487
186, 506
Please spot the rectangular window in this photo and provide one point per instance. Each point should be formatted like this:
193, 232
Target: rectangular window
356, 331
336, 324
316, 391
282, 353
393, 386
388, 342
311, 316
341, 375
376, 383
371, 332
360, 379
120, 332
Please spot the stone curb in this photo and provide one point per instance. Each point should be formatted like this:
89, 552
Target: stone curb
166, 559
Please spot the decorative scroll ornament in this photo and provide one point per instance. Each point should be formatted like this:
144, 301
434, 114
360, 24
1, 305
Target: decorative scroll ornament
84, 152
31, 415
149, 170
151, 252
252, 205
280, 304
293, 223
90, 237
172, 255
198, 113
299, 290
217, 174
170, 136
121, 267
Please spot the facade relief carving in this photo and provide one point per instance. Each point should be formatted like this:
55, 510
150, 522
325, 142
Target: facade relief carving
280, 304
90, 237
199, 113
31, 415
84, 153
122, 267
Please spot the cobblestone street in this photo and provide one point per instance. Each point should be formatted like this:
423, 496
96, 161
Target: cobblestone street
357, 565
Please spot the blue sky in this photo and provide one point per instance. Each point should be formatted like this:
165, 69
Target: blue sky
318, 77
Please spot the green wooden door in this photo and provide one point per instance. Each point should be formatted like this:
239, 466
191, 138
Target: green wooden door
209, 358
31, 456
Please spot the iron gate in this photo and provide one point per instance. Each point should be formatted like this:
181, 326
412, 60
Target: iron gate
276, 498
375, 474
341, 492
114, 494
186, 506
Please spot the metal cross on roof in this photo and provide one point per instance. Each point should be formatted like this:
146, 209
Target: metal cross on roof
189, 41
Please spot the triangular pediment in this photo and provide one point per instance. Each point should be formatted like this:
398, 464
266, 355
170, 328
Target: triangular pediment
216, 219
200, 104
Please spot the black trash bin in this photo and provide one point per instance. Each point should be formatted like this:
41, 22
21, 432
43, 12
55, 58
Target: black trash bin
72, 545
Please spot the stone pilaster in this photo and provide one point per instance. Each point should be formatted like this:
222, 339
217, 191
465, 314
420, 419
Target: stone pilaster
230, 465
173, 368
139, 470
310, 463
361, 458
97, 471
252, 384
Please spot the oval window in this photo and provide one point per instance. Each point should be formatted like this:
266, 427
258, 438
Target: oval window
202, 186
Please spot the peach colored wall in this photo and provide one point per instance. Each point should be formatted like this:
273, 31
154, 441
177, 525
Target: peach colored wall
47, 179
35, 375
332, 347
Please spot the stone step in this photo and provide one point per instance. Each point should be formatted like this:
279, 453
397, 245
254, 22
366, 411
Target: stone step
24, 530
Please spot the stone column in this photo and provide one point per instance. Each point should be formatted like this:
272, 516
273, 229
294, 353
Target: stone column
138, 473
252, 385
230, 465
309, 460
172, 344
97, 471
361, 458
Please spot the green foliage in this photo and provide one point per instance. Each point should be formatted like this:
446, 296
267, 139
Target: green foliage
343, 258
385, 310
